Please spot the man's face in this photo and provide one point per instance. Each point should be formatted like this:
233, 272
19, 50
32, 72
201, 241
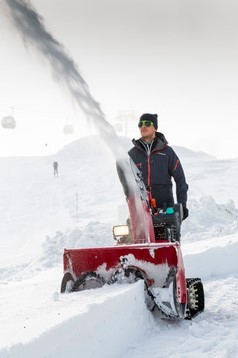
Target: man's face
147, 131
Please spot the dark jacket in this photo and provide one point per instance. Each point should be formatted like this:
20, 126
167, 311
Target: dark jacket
158, 164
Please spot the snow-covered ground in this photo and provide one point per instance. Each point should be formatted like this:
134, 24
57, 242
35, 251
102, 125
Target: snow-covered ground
41, 214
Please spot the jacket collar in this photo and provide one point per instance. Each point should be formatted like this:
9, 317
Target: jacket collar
159, 142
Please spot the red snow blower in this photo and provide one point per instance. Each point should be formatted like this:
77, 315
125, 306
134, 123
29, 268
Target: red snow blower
147, 248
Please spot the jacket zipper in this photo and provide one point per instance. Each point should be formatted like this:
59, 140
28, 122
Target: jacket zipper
148, 168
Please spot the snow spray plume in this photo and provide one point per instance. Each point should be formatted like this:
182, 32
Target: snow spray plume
30, 24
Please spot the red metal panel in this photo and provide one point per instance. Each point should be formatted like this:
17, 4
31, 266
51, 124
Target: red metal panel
84, 260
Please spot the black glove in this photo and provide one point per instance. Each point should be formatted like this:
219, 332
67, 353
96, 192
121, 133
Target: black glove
185, 212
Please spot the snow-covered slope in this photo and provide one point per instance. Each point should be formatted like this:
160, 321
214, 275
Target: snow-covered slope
42, 214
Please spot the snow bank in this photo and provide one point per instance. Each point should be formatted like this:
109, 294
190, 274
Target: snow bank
209, 219
208, 224
102, 330
94, 234
218, 257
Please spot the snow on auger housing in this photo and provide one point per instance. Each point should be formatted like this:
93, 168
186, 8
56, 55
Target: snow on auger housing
147, 248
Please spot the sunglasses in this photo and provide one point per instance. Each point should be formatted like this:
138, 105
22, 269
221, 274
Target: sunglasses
145, 123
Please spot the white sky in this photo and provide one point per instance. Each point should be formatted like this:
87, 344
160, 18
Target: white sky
175, 58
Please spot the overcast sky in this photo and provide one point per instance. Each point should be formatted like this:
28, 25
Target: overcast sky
175, 58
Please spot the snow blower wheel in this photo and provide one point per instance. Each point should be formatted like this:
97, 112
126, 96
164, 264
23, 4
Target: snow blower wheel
88, 281
67, 283
196, 300
135, 275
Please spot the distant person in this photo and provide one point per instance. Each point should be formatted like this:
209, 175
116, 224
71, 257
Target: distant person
55, 166
158, 164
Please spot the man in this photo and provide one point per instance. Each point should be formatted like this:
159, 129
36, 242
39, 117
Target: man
159, 164
55, 166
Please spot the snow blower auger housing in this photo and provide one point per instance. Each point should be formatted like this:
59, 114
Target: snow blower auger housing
147, 248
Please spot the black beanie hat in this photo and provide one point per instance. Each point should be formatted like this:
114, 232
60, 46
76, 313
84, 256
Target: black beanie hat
151, 118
